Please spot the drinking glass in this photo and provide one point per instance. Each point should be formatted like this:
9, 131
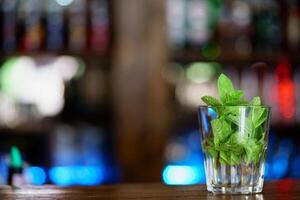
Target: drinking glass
234, 143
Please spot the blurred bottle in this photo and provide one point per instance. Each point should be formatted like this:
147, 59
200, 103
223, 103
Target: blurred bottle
99, 33
176, 19
226, 27
235, 27
9, 20
15, 173
266, 22
92, 145
31, 12
197, 30
80, 146
77, 25
241, 16
55, 25
65, 147
293, 26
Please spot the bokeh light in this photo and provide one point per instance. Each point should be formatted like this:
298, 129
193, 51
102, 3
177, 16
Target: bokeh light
76, 175
35, 175
181, 175
64, 2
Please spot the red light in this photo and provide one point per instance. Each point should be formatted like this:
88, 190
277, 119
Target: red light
286, 90
283, 70
287, 99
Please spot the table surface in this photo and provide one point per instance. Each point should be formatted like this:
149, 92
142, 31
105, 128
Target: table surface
283, 190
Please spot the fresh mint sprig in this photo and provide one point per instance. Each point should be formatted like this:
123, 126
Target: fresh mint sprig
228, 144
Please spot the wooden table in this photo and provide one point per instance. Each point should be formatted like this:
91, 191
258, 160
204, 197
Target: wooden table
282, 190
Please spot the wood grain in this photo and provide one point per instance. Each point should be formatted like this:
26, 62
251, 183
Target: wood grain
281, 190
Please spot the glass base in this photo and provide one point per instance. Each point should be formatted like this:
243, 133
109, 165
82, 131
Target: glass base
234, 190
237, 179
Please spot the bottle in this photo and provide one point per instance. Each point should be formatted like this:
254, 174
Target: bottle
293, 27
266, 22
9, 10
31, 12
197, 31
77, 25
55, 25
99, 25
15, 171
176, 20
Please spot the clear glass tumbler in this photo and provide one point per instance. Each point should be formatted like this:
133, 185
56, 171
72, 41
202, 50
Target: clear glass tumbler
234, 143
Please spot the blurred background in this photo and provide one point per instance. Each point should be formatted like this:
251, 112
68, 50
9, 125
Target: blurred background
106, 91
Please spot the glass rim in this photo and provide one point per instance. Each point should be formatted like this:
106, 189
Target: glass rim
223, 106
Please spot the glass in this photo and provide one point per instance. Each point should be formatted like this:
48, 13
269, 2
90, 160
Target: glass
234, 143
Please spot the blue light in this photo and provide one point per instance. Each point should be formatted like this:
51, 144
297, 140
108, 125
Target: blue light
280, 166
88, 175
182, 175
35, 175
61, 176
77, 175
286, 146
295, 167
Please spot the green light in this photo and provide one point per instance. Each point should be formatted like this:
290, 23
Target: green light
214, 8
81, 68
201, 72
15, 158
6, 76
211, 51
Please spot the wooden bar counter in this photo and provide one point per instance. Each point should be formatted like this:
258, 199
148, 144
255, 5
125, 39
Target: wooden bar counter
281, 190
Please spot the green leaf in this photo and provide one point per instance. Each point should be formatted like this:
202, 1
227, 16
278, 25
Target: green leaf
235, 159
237, 94
258, 115
226, 157
212, 101
215, 103
234, 98
222, 161
233, 119
263, 117
230, 158
255, 101
259, 133
225, 86
253, 151
244, 129
232, 144
231, 150
221, 130
231, 110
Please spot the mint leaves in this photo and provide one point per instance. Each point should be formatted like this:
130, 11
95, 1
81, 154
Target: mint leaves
238, 132
209, 100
